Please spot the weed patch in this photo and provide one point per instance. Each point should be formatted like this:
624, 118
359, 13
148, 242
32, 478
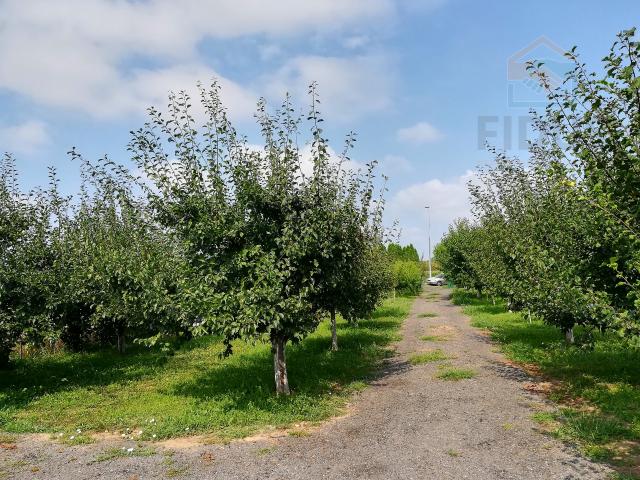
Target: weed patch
265, 451
427, 357
455, 374
434, 338
113, 453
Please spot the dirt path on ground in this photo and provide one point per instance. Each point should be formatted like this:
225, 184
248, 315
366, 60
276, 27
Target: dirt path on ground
407, 425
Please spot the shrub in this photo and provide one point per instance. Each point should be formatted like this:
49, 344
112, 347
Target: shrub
407, 276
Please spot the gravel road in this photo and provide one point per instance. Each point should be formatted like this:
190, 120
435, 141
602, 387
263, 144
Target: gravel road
407, 425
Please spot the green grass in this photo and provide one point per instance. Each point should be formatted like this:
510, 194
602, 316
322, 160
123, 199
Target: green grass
621, 476
428, 315
434, 338
265, 451
544, 418
194, 391
112, 453
455, 374
599, 390
74, 439
427, 357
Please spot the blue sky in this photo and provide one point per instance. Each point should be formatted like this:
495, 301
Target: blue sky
414, 78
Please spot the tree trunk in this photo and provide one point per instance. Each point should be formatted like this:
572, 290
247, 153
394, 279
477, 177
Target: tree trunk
280, 365
122, 343
334, 331
568, 336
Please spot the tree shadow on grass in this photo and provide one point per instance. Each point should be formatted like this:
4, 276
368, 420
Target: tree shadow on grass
29, 379
313, 370
243, 381
387, 311
607, 360
378, 325
490, 309
606, 363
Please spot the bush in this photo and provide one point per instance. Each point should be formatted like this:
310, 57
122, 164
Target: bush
407, 277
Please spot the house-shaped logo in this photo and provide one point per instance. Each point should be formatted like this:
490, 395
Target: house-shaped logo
525, 91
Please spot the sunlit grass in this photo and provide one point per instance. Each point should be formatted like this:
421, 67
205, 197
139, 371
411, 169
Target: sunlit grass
455, 374
427, 357
147, 394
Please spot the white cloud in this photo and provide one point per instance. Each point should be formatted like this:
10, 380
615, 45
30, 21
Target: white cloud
348, 87
269, 52
73, 54
173, 28
150, 87
306, 161
395, 163
421, 6
448, 200
421, 132
80, 77
25, 137
356, 41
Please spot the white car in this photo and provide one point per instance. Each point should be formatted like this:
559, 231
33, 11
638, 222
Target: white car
437, 280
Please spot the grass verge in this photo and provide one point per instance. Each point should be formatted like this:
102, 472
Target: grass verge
597, 385
147, 394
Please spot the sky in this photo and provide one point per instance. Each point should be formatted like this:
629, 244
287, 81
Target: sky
425, 84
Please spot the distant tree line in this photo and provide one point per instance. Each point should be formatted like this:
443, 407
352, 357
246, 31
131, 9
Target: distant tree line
559, 236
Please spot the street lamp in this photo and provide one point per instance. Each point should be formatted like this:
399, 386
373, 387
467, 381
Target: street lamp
429, 235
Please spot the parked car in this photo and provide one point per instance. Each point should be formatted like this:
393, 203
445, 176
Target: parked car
437, 280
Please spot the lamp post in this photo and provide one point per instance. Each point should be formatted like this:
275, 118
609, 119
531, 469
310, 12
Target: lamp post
428, 208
